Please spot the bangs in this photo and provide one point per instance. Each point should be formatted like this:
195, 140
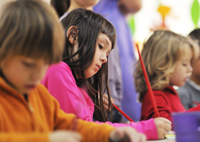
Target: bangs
109, 30
32, 32
189, 46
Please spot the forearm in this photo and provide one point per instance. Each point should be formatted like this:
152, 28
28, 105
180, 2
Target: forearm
24, 137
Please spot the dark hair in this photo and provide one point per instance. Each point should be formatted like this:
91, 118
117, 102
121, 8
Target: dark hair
31, 28
61, 6
89, 26
195, 35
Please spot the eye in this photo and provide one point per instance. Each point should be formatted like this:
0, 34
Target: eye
184, 64
29, 65
100, 46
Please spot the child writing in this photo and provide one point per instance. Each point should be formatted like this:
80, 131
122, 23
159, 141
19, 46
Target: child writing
167, 57
190, 92
31, 39
75, 81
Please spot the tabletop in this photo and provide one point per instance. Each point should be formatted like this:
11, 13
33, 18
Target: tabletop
165, 140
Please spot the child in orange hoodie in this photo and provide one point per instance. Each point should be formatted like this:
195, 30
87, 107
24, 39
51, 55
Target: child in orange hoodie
31, 39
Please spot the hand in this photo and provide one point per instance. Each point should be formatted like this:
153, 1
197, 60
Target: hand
64, 136
105, 101
163, 126
126, 134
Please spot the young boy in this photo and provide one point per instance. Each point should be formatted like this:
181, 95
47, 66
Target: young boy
31, 39
190, 92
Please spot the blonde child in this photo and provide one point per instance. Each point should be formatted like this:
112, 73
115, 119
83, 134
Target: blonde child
190, 92
31, 39
167, 57
75, 81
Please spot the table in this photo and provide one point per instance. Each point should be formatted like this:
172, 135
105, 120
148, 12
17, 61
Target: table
165, 140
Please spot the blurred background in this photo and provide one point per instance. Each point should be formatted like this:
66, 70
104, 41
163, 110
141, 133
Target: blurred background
180, 16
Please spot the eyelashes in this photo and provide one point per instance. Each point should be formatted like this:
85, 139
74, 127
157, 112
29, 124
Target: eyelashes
100, 46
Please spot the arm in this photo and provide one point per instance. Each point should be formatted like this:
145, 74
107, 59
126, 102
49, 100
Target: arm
162, 105
25, 137
129, 6
197, 108
94, 132
147, 127
61, 84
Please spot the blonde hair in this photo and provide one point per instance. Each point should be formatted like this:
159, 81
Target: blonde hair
31, 28
160, 53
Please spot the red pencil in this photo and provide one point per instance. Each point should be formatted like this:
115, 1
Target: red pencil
124, 114
148, 83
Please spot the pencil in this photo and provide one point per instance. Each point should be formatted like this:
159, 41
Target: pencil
148, 83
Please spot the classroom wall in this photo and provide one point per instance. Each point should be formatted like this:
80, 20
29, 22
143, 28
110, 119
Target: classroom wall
179, 19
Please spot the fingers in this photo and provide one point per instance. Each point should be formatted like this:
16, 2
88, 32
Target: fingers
139, 138
167, 127
165, 120
106, 101
128, 134
163, 126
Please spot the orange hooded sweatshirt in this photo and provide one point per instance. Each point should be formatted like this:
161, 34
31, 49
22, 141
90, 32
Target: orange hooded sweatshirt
35, 119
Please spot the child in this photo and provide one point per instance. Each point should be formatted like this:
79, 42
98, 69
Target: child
31, 39
190, 92
167, 57
63, 7
83, 71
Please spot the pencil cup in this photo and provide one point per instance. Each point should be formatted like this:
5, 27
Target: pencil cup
187, 126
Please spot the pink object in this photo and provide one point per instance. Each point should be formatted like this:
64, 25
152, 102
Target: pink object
60, 82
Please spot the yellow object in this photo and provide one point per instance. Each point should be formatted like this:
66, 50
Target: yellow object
164, 10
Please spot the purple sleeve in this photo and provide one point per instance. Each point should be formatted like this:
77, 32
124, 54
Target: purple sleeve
146, 127
61, 84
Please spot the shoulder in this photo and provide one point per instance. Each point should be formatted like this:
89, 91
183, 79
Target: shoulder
61, 66
42, 93
58, 70
160, 97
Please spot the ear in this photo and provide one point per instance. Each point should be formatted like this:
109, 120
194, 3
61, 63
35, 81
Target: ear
72, 34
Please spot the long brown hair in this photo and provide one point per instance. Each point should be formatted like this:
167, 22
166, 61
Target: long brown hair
61, 6
89, 25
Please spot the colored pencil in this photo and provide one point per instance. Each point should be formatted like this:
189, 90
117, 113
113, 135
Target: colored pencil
148, 83
124, 114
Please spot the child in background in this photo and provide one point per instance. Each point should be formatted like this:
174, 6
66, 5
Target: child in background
75, 81
190, 92
167, 57
31, 39
63, 7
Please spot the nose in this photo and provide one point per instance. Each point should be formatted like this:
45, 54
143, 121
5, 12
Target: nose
103, 58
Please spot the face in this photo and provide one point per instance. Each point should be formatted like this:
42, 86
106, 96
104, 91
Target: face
103, 48
24, 73
182, 70
85, 3
196, 68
